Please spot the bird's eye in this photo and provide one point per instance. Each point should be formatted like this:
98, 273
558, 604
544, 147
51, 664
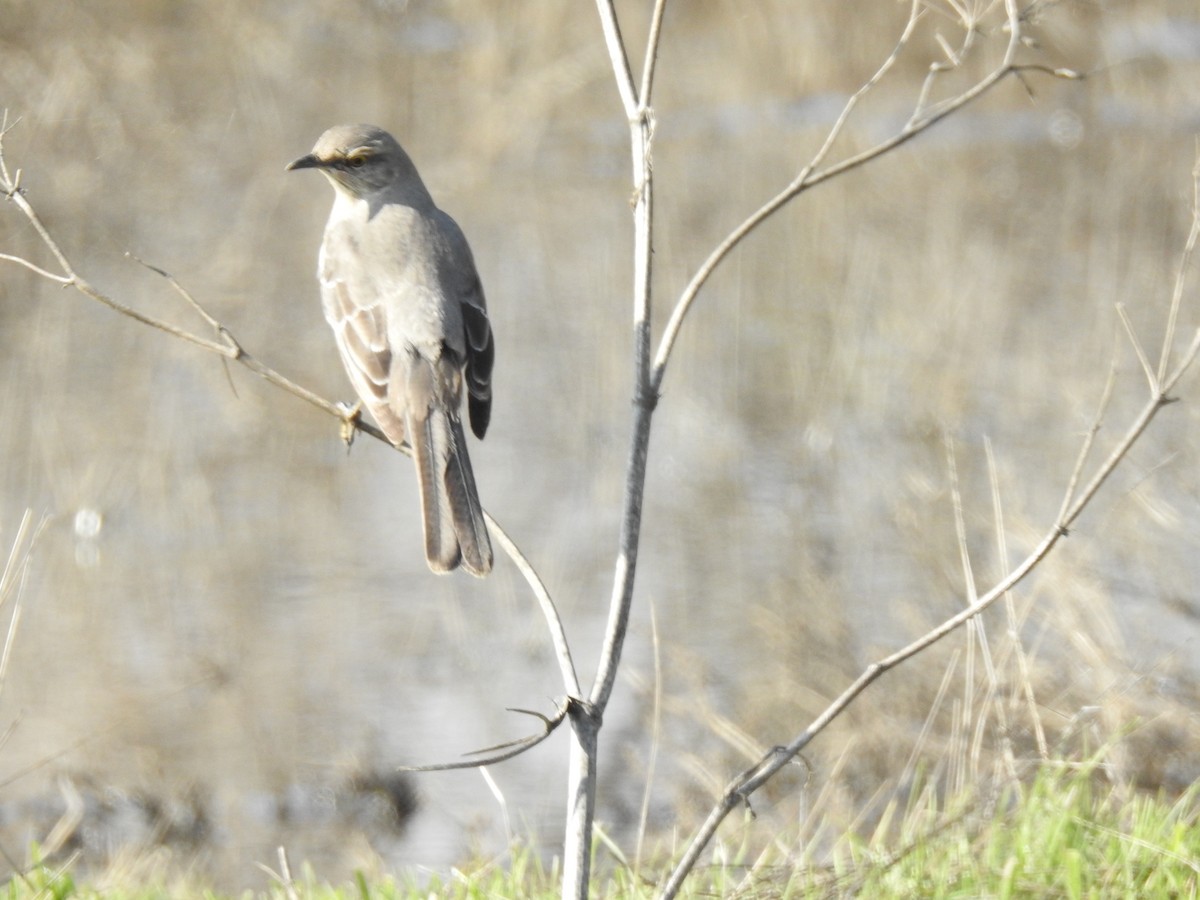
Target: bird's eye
357, 161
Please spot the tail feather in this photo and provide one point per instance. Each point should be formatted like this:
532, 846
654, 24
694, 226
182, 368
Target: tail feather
428, 435
455, 531
463, 501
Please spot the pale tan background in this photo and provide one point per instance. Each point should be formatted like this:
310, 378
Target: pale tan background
251, 642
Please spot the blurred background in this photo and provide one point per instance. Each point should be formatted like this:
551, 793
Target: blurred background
228, 639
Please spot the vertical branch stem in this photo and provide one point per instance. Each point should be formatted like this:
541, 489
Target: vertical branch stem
644, 401
581, 802
586, 716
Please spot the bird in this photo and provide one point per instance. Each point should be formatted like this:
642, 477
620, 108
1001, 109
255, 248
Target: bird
400, 289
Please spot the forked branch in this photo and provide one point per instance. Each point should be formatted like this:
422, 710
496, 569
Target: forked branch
922, 119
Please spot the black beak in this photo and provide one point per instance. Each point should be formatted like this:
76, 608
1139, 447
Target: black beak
305, 162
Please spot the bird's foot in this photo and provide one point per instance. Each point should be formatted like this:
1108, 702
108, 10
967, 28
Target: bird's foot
351, 416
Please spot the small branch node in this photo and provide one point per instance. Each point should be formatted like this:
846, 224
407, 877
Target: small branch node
647, 398
1151, 377
743, 798
236, 352
578, 707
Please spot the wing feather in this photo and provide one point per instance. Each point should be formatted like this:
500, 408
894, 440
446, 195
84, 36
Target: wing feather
360, 330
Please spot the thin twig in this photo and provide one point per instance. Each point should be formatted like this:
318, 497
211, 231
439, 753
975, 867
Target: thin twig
839, 125
1151, 378
1135, 430
1185, 263
652, 42
189, 299
70, 278
618, 57
808, 178
488, 756
562, 648
64, 280
1089, 439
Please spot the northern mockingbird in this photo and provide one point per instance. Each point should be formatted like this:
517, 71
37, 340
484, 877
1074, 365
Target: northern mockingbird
399, 288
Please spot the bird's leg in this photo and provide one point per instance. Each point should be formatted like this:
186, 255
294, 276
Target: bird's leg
351, 416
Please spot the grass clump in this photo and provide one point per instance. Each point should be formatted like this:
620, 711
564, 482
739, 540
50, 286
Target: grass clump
1069, 833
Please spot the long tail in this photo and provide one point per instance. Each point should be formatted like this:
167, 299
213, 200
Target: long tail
452, 515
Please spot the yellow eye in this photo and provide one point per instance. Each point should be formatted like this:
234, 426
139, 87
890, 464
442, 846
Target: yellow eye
357, 161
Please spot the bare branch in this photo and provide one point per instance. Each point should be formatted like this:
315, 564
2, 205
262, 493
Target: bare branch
798, 184
11, 187
1185, 363
231, 348
228, 347
618, 56
839, 125
72, 279
1137, 348
191, 300
651, 59
641, 130
1162, 382
5, 127
741, 787
1155, 403
1185, 261
810, 178
586, 715
562, 649
64, 280
1089, 438
491, 755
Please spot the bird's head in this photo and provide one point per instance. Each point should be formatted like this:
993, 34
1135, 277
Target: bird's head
360, 160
